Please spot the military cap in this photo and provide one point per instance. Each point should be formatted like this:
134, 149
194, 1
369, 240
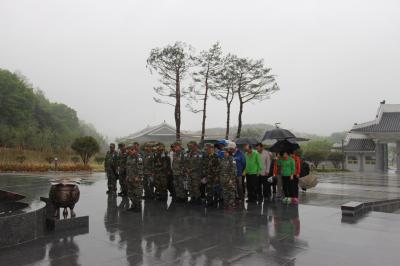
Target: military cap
121, 144
159, 145
145, 145
192, 143
208, 144
177, 143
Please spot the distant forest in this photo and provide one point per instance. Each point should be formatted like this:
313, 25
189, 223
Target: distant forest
28, 120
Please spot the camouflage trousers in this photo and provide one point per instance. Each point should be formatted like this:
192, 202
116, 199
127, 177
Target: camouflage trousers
160, 183
239, 188
229, 193
212, 190
123, 182
135, 191
194, 186
180, 189
111, 181
148, 185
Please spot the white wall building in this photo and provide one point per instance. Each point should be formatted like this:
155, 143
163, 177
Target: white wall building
366, 146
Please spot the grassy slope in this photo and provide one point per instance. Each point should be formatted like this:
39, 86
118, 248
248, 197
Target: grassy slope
36, 161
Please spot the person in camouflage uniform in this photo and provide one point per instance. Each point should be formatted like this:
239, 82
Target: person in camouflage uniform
193, 165
228, 179
148, 169
210, 173
110, 167
134, 171
161, 164
122, 155
179, 172
136, 146
170, 177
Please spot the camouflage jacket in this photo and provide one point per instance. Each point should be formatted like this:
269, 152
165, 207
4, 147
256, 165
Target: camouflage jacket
178, 164
134, 167
162, 164
148, 163
111, 162
194, 163
211, 166
227, 169
122, 157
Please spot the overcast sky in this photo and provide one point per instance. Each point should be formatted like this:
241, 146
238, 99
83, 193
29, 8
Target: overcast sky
334, 60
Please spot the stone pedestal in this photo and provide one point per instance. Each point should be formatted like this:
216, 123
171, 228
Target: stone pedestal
55, 224
60, 225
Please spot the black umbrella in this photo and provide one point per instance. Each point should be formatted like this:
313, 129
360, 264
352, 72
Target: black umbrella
286, 145
278, 133
298, 139
250, 141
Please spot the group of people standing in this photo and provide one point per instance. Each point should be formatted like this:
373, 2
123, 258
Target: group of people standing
218, 175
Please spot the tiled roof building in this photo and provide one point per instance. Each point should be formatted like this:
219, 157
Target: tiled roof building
366, 146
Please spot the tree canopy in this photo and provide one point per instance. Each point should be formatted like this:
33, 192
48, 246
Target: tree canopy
29, 120
172, 64
86, 147
223, 76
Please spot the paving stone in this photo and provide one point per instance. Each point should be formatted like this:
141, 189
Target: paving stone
263, 234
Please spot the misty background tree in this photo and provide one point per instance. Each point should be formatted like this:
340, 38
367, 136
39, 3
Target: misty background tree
28, 120
254, 83
171, 63
225, 86
207, 67
85, 147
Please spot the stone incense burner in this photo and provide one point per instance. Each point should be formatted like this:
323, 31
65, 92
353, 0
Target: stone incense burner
64, 194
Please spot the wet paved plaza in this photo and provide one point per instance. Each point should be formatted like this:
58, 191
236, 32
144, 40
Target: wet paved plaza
266, 234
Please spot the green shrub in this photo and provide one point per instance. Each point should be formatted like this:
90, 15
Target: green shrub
75, 159
21, 159
336, 158
86, 147
315, 156
49, 159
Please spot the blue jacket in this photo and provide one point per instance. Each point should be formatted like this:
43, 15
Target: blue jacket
220, 154
240, 162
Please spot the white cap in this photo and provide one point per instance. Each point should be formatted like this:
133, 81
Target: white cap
231, 145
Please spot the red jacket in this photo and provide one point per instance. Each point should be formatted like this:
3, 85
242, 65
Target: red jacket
297, 164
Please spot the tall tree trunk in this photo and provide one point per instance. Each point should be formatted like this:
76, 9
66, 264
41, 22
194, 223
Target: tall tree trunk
203, 123
178, 107
228, 119
239, 130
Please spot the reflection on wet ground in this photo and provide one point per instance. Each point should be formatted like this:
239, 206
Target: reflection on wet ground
265, 234
335, 189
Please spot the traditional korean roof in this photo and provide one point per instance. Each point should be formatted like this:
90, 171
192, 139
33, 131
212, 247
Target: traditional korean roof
360, 145
160, 129
387, 121
162, 132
